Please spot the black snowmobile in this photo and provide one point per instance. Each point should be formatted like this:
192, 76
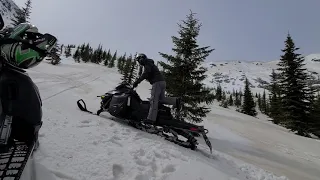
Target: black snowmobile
124, 102
20, 114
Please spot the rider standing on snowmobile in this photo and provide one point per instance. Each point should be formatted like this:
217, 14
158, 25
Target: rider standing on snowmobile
153, 75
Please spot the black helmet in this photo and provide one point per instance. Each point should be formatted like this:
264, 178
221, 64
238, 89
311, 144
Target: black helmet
140, 57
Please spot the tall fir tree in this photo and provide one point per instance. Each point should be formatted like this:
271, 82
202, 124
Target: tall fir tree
184, 73
67, 51
275, 103
126, 69
76, 55
85, 56
121, 63
230, 100
133, 71
112, 60
259, 102
237, 101
107, 58
248, 106
22, 15
296, 96
218, 95
264, 108
314, 127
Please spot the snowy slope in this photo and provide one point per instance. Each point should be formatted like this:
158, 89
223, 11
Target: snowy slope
7, 10
76, 145
231, 74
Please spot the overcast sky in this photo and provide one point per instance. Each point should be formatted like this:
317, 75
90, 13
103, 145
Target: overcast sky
252, 30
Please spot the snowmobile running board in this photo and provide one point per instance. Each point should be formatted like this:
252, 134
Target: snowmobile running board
191, 143
14, 158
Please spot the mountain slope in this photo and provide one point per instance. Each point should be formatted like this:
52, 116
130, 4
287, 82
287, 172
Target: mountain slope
76, 145
231, 74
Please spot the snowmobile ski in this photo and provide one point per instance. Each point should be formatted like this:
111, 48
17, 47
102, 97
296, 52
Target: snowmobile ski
163, 130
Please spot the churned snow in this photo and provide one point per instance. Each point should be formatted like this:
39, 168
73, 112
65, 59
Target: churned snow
79, 146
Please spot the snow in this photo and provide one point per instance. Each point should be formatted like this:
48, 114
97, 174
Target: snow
232, 73
79, 146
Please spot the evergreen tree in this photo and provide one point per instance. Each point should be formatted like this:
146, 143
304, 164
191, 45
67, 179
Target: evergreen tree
218, 95
85, 56
275, 103
230, 100
224, 97
264, 103
314, 127
82, 49
259, 102
103, 56
248, 106
237, 101
76, 55
22, 15
112, 60
184, 74
98, 54
295, 93
107, 58
133, 71
121, 63
67, 51
126, 69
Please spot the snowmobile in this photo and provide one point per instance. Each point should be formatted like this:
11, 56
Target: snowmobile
20, 110
124, 103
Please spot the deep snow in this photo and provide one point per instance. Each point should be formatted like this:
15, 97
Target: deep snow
76, 145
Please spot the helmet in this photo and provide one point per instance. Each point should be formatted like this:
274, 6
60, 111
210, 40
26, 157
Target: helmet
141, 58
33, 49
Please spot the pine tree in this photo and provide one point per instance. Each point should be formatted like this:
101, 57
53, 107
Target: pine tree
67, 51
259, 102
314, 127
230, 100
112, 60
98, 54
218, 95
103, 56
275, 103
126, 69
295, 93
237, 101
85, 56
82, 49
121, 63
22, 15
264, 103
107, 58
223, 97
184, 74
248, 106
133, 71
76, 55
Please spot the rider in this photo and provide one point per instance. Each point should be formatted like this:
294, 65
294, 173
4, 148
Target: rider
24, 47
153, 75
